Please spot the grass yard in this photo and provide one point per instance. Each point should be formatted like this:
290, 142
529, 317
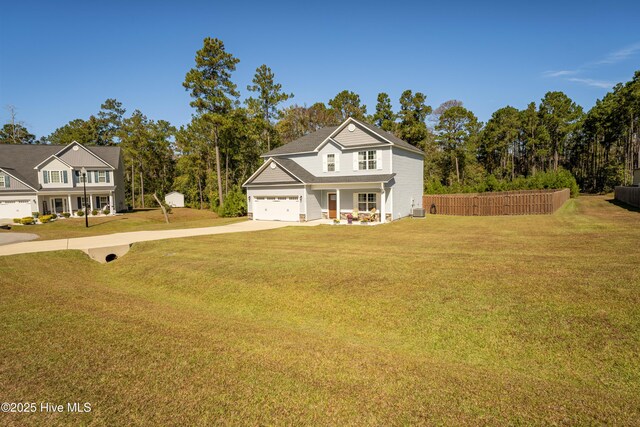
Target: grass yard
139, 220
448, 320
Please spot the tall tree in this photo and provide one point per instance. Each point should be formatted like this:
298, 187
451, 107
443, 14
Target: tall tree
413, 115
560, 116
269, 96
86, 132
110, 119
15, 131
347, 104
384, 116
213, 92
457, 130
499, 142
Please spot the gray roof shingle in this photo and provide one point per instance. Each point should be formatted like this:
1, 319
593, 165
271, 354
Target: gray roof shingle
20, 159
311, 141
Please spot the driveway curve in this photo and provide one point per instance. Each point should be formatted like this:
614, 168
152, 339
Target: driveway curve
8, 238
82, 243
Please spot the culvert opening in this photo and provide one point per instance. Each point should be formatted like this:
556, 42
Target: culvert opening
111, 257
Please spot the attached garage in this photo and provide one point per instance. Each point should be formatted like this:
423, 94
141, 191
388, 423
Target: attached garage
276, 208
15, 208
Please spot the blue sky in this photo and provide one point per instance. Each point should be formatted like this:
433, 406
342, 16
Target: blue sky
60, 60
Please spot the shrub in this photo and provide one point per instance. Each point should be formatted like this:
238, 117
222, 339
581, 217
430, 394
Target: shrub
35, 214
66, 214
45, 218
80, 213
540, 181
107, 211
53, 216
235, 204
94, 212
27, 220
17, 220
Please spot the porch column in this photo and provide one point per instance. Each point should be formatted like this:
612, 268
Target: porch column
70, 208
383, 215
91, 201
112, 211
338, 217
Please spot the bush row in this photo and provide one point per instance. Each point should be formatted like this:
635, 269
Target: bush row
540, 181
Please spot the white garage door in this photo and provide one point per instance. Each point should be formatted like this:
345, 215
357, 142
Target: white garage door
15, 208
276, 208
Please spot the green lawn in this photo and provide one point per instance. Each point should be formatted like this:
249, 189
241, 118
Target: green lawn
447, 320
139, 220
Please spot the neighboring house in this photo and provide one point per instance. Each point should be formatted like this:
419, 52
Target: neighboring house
334, 171
46, 179
174, 199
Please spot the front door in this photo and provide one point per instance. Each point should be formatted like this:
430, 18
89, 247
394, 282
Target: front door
332, 205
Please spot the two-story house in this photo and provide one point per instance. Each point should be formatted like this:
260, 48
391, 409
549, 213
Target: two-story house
335, 171
48, 179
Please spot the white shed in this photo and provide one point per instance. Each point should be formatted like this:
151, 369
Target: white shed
175, 199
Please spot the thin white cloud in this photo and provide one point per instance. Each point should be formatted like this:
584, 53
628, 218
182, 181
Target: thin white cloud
560, 73
592, 82
612, 58
619, 55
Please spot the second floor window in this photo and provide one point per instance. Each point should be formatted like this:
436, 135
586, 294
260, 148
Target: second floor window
2, 182
331, 162
102, 176
367, 160
55, 177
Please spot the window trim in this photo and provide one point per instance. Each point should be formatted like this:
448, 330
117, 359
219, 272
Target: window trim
52, 180
370, 159
368, 203
331, 164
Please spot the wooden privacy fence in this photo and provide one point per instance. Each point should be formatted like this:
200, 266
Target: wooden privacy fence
628, 195
525, 202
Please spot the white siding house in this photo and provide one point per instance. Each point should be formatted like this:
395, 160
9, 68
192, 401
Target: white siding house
336, 171
48, 179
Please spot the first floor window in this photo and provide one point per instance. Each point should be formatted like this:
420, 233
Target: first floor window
367, 160
103, 201
366, 202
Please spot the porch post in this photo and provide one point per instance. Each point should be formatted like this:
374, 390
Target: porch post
91, 201
69, 206
383, 215
338, 217
112, 211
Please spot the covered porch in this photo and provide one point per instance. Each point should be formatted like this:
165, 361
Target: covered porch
370, 203
73, 201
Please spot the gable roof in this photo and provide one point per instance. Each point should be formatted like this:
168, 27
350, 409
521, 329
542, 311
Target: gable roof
21, 159
312, 141
304, 144
306, 177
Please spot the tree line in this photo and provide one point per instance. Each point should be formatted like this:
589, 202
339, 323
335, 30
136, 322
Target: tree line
210, 157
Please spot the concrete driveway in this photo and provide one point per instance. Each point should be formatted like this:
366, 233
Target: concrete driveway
117, 239
8, 238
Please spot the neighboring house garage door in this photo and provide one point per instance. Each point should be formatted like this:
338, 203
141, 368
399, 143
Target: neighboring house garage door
276, 208
15, 208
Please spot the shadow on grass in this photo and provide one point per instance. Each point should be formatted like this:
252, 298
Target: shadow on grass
623, 205
109, 221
